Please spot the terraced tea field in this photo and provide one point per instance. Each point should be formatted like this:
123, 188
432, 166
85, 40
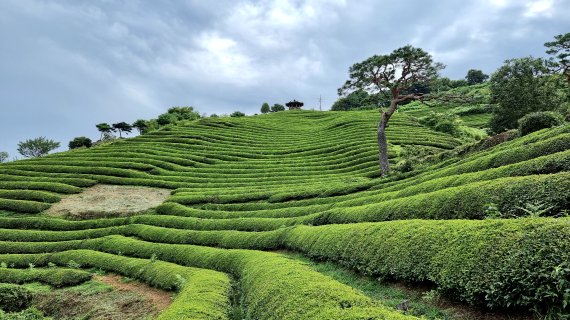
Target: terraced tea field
244, 190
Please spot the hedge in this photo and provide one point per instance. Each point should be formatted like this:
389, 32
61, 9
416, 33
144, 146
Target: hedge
205, 296
23, 206
273, 286
497, 263
56, 277
464, 202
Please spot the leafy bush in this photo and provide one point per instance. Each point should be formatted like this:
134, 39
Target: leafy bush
37, 147
539, 120
79, 142
442, 122
237, 114
14, 298
497, 263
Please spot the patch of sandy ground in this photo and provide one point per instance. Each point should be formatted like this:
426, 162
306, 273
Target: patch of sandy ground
102, 201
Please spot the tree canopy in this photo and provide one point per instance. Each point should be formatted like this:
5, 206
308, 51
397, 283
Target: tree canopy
358, 99
397, 76
3, 156
265, 108
122, 127
559, 49
104, 128
79, 142
277, 107
519, 87
475, 77
33, 148
141, 125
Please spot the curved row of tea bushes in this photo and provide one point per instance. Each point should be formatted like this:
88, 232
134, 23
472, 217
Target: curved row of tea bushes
45, 186
23, 206
33, 195
205, 295
468, 201
273, 286
497, 263
231, 239
77, 182
56, 277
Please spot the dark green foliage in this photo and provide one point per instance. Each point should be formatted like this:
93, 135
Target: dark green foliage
55, 277
539, 120
559, 49
359, 99
442, 122
265, 108
166, 118
122, 127
105, 129
475, 77
519, 87
14, 298
27, 314
141, 125
3, 156
443, 84
33, 148
79, 142
23, 206
277, 107
237, 114
184, 113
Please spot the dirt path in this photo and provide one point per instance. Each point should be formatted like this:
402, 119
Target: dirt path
159, 298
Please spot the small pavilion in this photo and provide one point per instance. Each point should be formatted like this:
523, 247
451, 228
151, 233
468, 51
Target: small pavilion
294, 105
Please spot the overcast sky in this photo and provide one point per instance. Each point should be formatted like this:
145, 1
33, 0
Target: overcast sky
67, 65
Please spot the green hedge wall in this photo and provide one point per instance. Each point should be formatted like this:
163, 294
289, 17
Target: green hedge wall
498, 263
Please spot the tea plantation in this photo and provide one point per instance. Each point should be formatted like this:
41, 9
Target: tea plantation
485, 227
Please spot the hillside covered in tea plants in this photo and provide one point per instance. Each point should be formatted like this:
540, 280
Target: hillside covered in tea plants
255, 201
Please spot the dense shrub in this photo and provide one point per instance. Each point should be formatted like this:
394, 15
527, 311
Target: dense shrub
54, 277
14, 298
539, 120
442, 122
497, 263
237, 114
79, 142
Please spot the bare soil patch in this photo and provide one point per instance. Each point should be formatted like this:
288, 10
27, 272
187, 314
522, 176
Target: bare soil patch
159, 298
101, 201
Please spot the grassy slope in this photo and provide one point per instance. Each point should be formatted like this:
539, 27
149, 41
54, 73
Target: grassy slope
244, 183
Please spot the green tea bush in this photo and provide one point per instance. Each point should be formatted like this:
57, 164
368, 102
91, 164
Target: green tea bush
14, 298
54, 277
539, 120
462, 202
497, 263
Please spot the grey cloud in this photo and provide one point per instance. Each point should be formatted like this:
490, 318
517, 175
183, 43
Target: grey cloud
67, 65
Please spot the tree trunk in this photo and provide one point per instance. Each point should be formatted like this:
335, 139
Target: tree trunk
383, 145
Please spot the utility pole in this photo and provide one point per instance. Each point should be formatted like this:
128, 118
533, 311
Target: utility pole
320, 103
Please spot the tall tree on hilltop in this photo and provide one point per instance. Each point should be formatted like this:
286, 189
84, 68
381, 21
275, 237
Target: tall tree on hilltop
122, 127
265, 108
393, 75
560, 50
475, 76
33, 148
521, 86
104, 128
141, 125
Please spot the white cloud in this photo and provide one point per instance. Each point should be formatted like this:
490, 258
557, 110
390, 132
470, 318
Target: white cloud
539, 8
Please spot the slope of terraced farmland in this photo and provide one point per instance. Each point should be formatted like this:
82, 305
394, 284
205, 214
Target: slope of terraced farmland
244, 188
